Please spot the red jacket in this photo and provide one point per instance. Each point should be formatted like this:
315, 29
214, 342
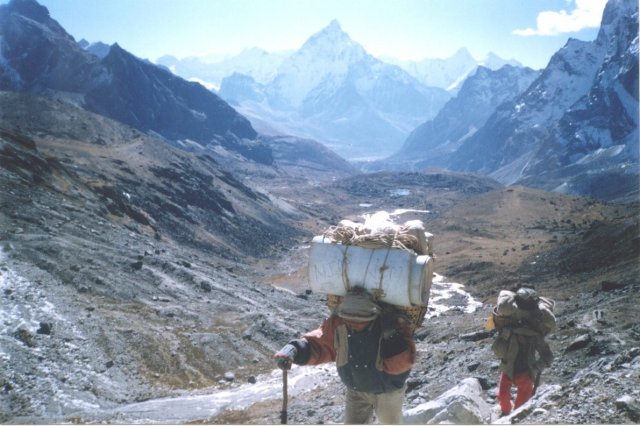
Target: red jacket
398, 352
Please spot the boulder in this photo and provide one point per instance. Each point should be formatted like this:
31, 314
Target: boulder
631, 405
579, 342
463, 404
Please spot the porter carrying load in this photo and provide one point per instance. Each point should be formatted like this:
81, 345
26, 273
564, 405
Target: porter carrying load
394, 263
522, 319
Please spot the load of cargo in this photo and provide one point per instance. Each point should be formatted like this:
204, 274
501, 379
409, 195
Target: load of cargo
509, 313
394, 263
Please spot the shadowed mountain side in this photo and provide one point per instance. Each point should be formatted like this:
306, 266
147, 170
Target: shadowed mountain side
158, 189
40, 57
157, 100
307, 156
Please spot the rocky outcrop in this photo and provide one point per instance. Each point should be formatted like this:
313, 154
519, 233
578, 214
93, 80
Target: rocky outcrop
463, 404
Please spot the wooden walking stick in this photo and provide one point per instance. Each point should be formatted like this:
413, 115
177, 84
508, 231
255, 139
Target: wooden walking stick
536, 383
283, 413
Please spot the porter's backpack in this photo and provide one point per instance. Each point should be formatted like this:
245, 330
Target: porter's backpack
508, 314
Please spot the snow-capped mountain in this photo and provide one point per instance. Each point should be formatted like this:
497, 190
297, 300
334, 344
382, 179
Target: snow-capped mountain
576, 124
594, 147
99, 49
449, 73
254, 62
516, 128
494, 62
433, 142
332, 90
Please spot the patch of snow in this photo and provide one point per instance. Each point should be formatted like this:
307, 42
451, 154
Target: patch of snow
25, 311
282, 204
182, 409
198, 114
208, 84
398, 212
399, 192
188, 143
511, 172
563, 188
446, 296
602, 153
13, 75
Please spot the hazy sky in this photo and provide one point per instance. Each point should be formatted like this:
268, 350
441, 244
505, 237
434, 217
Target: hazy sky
527, 30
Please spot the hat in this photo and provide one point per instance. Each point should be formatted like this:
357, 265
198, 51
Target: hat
527, 298
358, 307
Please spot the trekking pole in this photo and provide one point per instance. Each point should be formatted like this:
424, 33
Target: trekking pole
536, 383
283, 413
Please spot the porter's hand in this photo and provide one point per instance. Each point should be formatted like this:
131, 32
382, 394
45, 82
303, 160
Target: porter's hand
285, 356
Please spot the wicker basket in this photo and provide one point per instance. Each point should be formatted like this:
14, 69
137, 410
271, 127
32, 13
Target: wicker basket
501, 322
414, 314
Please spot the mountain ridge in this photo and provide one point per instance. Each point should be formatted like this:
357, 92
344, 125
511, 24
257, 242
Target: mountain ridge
168, 105
333, 91
433, 143
573, 130
449, 73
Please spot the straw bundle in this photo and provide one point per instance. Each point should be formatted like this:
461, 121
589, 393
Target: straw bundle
410, 236
354, 236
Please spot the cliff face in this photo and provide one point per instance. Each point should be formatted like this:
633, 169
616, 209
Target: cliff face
575, 129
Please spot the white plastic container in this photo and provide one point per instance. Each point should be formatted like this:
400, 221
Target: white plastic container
398, 276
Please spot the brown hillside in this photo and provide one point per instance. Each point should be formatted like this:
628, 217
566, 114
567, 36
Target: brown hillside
522, 235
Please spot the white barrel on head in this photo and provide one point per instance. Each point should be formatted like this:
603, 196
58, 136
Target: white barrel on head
398, 276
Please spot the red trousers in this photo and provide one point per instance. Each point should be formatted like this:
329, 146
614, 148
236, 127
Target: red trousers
524, 390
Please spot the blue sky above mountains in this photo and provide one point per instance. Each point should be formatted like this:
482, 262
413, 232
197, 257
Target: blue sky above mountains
525, 30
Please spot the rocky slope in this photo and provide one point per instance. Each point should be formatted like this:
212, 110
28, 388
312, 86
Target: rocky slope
125, 264
580, 252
